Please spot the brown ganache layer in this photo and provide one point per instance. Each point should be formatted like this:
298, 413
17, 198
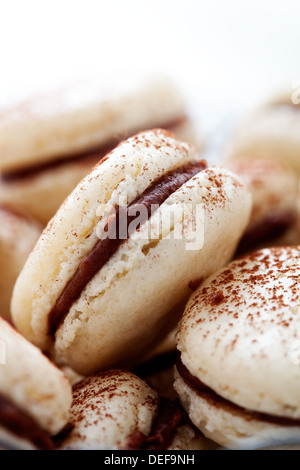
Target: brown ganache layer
274, 225
216, 400
163, 430
153, 196
86, 157
90, 157
19, 423
59, 438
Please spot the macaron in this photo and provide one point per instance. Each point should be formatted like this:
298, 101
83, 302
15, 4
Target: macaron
238, 374
116, 410
51, 141
108, 278
35, 396
274, 188
18, 235
271, 130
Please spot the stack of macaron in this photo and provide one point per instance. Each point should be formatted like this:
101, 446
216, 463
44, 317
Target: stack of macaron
134, 323
49, 142
109, 277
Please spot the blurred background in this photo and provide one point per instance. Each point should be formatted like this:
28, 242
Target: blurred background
225, 54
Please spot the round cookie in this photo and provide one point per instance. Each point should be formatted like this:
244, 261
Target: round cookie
51, 141
270, 131
18, 235
98, 298
238, 375
35, 396
116, 410
274, 188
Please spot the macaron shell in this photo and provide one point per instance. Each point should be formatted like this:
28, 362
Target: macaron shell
80, 116
72, 233
223, 425
188, 131
40, 195
18, 235
32, 382
189, 438
273, 185
270, 132
246, 318
108, 408
137, 298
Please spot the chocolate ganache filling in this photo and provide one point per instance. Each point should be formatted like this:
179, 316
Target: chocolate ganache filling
272, 227
169, 416
19, 423
88, 156
216, 400
151, 198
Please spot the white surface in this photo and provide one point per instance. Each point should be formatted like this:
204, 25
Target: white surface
225, 54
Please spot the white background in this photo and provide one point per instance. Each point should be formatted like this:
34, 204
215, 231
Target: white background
225, 54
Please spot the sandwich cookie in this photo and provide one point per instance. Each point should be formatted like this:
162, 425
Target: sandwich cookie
50, 142
116, 410
274, 188
18, 235
238, 374
35, 396
108, 278
270, 131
